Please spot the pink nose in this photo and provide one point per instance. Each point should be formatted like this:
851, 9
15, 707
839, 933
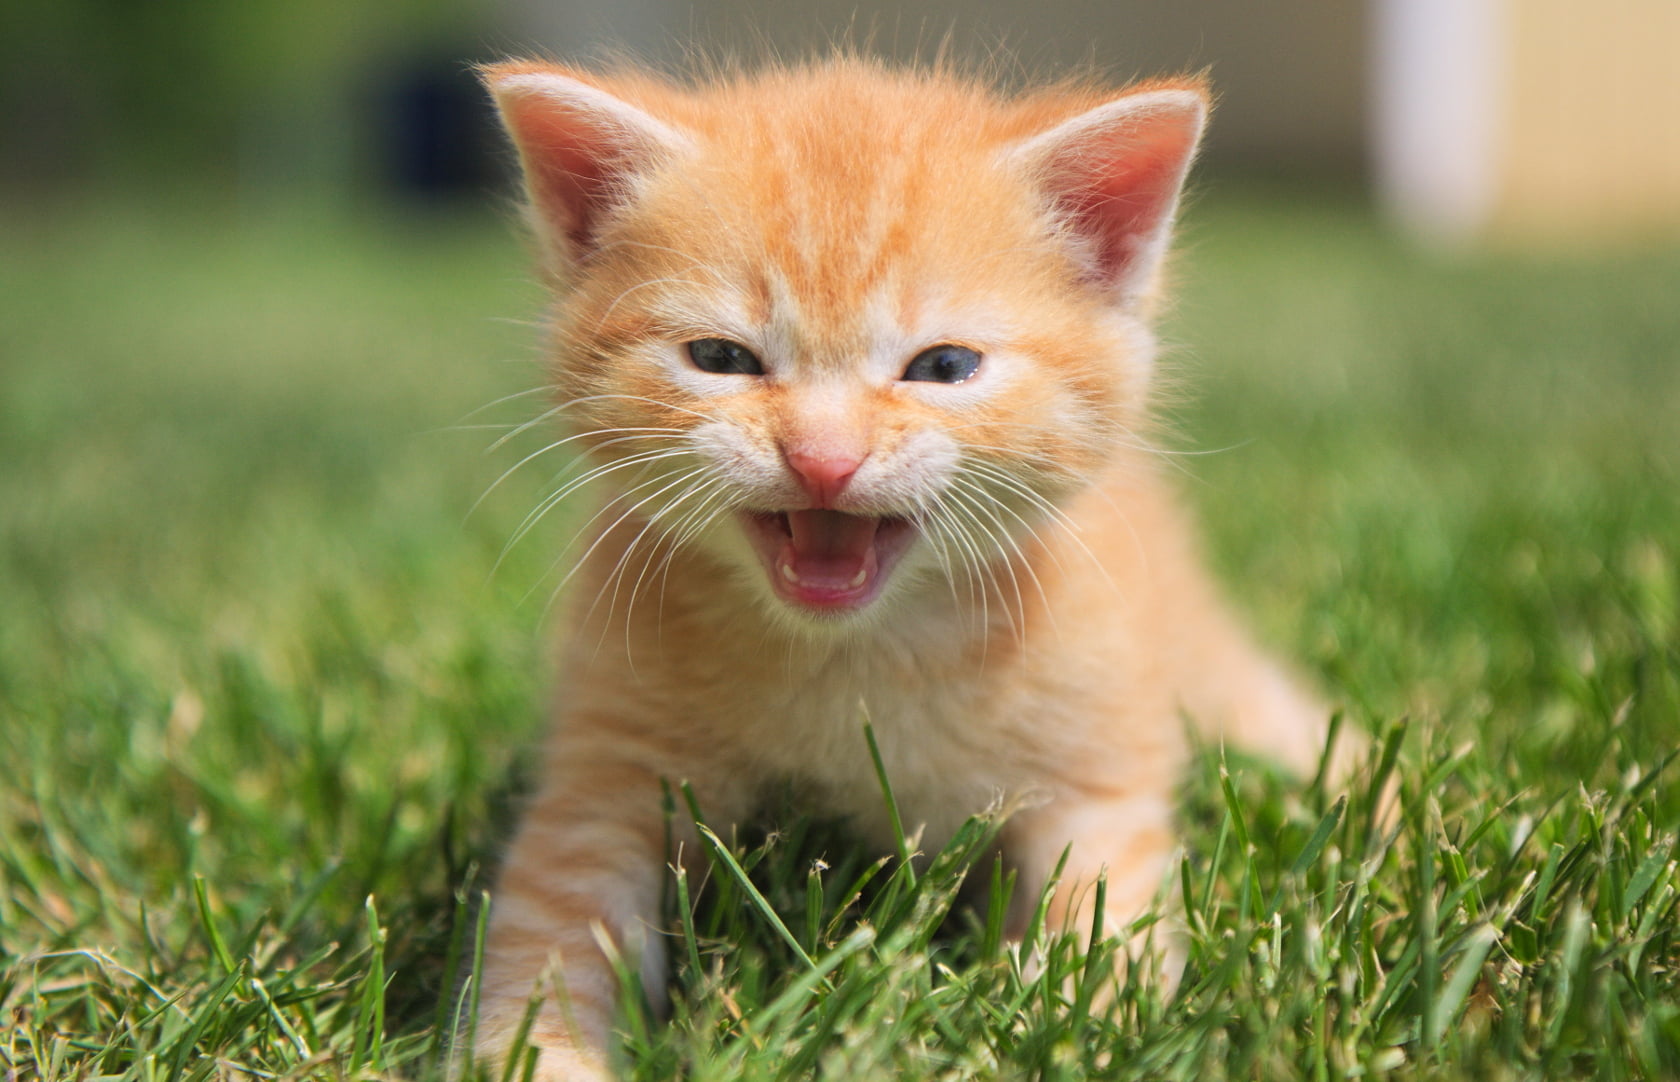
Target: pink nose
823, 476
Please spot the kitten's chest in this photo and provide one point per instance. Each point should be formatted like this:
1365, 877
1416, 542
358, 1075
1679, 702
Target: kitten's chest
946, 745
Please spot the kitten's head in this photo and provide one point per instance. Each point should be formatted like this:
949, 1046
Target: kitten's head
853, 332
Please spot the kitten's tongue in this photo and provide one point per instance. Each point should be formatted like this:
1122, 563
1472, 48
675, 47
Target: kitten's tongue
828, 554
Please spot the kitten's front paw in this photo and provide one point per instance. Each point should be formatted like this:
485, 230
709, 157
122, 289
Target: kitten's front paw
561, 1054
570, 1065
554, 1064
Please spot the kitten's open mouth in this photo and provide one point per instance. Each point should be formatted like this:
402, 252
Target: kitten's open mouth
827, 560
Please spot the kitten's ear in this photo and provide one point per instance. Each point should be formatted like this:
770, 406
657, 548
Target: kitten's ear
579, 147
1114, 174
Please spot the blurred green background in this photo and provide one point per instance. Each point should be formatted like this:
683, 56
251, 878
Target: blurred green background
259, 274
262, 100
262, 306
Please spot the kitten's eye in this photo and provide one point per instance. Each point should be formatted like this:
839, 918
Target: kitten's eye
943, 364
724, 357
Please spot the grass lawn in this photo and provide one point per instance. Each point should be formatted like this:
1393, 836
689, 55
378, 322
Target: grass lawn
263, 700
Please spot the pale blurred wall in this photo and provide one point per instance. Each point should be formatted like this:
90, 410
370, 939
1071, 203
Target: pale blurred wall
1552, 122
1591, 119
1290, 73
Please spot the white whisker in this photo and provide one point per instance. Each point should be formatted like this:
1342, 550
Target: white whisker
554, 499
962, 494
607, 531
615, 577
677, 533
541, 388
586, 399
642, 433
701, 517
616, 301
985, 503
518, 430
1053, 514
951, 528
666, 535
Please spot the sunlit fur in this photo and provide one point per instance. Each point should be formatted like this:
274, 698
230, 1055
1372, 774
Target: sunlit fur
1047, 632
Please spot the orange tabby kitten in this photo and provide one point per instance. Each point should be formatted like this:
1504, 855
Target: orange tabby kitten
865, 357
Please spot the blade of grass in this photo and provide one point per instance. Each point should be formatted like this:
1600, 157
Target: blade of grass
893, 817
771, 919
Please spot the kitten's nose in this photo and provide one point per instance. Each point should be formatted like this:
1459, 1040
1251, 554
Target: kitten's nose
823, 475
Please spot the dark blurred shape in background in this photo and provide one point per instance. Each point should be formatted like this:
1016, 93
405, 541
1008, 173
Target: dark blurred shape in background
1471, 118
433, 130
264, 98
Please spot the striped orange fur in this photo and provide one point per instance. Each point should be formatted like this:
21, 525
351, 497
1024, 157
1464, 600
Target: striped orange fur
863, 360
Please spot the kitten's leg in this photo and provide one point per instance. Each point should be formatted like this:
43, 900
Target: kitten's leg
1126, 839
1263, 709
1234, 693
588, 859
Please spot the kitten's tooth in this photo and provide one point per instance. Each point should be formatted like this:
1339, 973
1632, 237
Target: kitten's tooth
788, 573
857, 580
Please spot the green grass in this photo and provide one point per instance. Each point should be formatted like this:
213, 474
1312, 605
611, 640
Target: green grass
262, 700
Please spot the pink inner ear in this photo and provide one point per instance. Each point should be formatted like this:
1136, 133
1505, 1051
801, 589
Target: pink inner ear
572, 162
1119, 185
